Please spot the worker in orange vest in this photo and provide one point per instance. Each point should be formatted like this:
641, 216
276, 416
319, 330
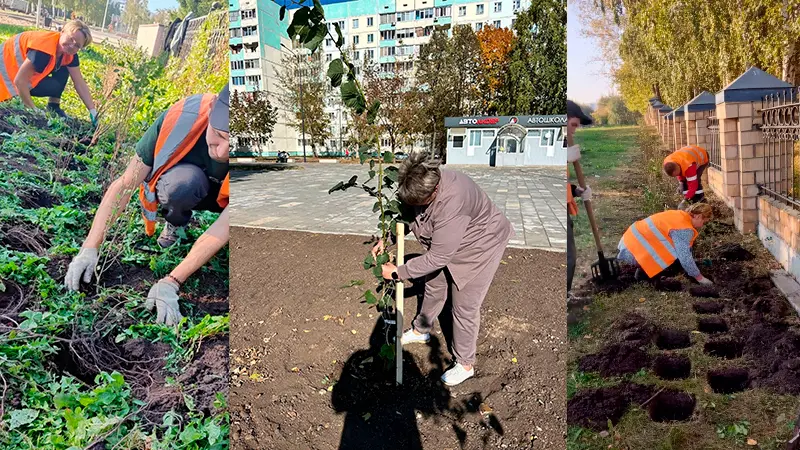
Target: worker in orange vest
180, 166
654, 243
575, 118
38, 64
687, 164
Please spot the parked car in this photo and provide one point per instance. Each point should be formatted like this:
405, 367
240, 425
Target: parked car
400, 156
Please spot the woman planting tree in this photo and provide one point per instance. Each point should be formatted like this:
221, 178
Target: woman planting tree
465, 236
181, 165
656, 242
38, 63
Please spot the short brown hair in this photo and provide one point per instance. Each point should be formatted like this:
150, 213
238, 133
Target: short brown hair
670, 167
419, 175
702, 209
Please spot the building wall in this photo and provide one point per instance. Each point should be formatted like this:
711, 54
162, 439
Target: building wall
534, 151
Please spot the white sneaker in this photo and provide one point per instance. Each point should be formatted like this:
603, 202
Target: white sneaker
409, 337
457, 375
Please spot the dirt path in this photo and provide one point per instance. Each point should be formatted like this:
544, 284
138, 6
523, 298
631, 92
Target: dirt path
298, 359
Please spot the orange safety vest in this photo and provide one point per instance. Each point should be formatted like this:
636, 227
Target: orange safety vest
649, 242
184, 124
686, 156
15, 50
572, 205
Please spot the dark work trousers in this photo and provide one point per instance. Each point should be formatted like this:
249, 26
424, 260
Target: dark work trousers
572, 254
185, 188
466, 306
700, 195
52, 85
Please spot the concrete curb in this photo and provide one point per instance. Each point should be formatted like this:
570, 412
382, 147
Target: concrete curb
788, 286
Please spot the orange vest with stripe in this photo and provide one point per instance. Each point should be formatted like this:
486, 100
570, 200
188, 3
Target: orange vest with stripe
15, 50
572, 206
686, 156
184, 124
649, 242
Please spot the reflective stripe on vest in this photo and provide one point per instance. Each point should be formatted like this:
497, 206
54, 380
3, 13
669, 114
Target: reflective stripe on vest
686, 156
649, 242
661, 238
7, 80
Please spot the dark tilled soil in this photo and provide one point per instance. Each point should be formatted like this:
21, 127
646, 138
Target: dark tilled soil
704, 291
728, 381
671, 405
296, 329
774, 348
669, 339
616, 359
24, 237
672, 367
734, 252
634, 329
667, 284
708, 307
594, 408
712, 325
726, 348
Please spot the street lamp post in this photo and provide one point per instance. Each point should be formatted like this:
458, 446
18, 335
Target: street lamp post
302, 110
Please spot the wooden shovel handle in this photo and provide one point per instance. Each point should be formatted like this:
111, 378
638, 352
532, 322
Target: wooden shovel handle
588, 205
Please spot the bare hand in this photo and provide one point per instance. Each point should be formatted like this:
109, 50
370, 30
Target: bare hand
378, 249
388, 269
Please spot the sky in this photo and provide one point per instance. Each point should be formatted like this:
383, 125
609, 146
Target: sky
154, 5
586, 82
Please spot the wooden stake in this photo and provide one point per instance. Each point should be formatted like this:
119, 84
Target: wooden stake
398, 303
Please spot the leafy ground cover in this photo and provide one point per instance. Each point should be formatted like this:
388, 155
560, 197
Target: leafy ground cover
722, 361
90, 369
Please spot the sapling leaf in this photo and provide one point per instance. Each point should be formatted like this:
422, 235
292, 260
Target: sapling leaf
376, 207
316, 36
340, 39
338, 187
377, 271
387, 352
369, 261
383, 258
388, 157
336, 72
370, 298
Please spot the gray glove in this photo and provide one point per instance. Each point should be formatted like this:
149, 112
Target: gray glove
164, 296
82, 265
704, 281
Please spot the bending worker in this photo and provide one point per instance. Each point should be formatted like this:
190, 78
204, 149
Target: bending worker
38, 64
687, 164
465, 236
181, 165
656, 242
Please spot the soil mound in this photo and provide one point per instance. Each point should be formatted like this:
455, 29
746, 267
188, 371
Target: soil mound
724, 348
775, 348
616, 359
708, 307
634, 329
671, 405
668, 284
712, 324
669, 339
704, 291
207, 374
672, 367
758, 286
734, 252
594, 408
728, 381
35, 197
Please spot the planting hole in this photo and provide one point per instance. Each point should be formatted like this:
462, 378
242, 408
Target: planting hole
672, 367
671, 405
594, 408
69, 364
24, 238
673, 339
704, 291
668, 284
734, 252
33, 198
617, 359
728, 381
724, 348
712, 325
708, 307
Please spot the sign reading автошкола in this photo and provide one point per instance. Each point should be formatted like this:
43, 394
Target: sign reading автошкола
494, 122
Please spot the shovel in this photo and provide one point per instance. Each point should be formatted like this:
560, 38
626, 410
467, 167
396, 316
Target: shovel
604, 269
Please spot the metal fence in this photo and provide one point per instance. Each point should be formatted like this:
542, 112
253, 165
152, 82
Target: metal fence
780, 125
714, 151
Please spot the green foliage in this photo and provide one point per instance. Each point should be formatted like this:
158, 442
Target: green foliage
611, 110
736, 431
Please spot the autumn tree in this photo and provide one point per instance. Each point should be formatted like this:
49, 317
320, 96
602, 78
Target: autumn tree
302, 92
495, 45
252, 118
396, 117
536, 80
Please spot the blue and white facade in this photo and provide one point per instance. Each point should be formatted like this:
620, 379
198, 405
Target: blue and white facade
506, 140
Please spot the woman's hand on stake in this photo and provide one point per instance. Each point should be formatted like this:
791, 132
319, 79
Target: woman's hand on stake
388, 269
378, 249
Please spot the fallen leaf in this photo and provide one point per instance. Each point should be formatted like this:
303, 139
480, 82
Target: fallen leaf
295, 369
354, 331
326, 317
255, 376
330, 388
358, 315
641, 300
514, 360
751, 441
503, 263
485, 409
306, 331
366, 416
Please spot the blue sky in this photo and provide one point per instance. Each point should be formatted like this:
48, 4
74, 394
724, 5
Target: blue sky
586, 82
153, 5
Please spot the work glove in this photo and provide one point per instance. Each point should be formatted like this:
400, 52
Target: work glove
164, 296
93, 116
82, 265
703, 280
573, 153
586, 194
683, 205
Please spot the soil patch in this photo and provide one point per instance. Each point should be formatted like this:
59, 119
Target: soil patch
669, 339
634, 329
724, 348
672, 367
119, 274
625, 279
728, 381
775, 348
712, 324
12, 301
704, 291
34, 197
708, 307
671, 405
594, 408
668, 284
207, 374
24, 237
758, 286
734, 252
616, 359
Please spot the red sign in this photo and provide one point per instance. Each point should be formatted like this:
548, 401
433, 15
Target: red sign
489, 121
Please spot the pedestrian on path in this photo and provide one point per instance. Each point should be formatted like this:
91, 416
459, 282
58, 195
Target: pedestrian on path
687, 164
465, 236
38, 64
575, 118
655, 243
180, 165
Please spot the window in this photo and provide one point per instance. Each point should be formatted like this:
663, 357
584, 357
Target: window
427, 31
236, 32
458, 141
479, 9
387, 51
355, 40
547, 138
249, 14
237, 65
355, 23
328, 42
235, 50
442, 11
388, 18
462, 11
253, 80
233, 16
370, 38
478, 26
408, 16
426, 13
370, 54
496, 24
249, 31
357, 56
406, 33
387, 67
387, 35
513, 21
385, 142
328, 57
252, 63
517, 4
369, 21
475, 138
237, 81
498, 6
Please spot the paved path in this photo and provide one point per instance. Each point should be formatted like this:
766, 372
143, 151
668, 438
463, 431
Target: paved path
533, 198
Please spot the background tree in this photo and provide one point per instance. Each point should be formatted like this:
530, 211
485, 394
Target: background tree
135, 14
307, 69
198, 7
396, 117
252, 118
611, 110
537, 71
165, 16
495, 45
